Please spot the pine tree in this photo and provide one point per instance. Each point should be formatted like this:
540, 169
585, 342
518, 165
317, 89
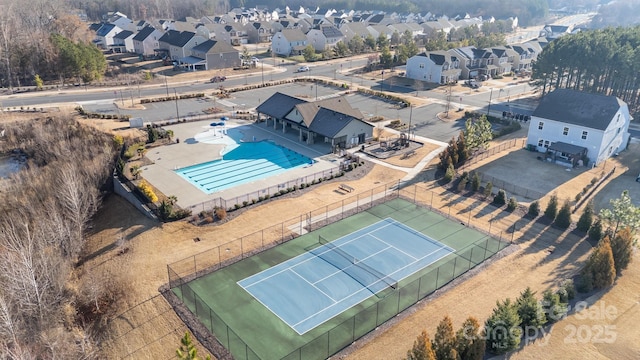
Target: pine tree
444, 340
470, 343
502, 328
462, 148
622, 249
563, 218
595, 232
552, 306
600, 268
475, 182
449, 174
530, 310
500, 198
586, 219
488, 189
513, 204
421, 349
552, 208
187, 350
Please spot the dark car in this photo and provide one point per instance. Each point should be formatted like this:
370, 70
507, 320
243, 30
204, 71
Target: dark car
216, 79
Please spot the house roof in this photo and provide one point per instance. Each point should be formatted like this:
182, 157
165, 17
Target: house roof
176, 38
279, 105
579, 108
339, 105
328, 123
439, 57
105, 29
293, 35
95, 26
123, 34
214, 47
567, 148
330, 31
144, 33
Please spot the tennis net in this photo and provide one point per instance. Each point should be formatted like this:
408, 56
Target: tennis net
352, 266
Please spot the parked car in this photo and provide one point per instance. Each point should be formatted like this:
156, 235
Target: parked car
472, 83
303, 69
255, 59
216, 79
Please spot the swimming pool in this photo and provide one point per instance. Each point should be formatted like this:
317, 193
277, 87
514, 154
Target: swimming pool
244, 163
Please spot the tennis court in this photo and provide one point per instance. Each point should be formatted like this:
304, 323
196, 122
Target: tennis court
313, 295
314, 287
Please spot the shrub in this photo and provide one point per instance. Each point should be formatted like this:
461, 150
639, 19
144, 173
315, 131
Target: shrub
553, 307
586, 219
513, 204
146, 189
488, 189
475, 182
245, 203
534, 209
569, 288
595, 231
462, 184
237, 206
449, 174
500, 198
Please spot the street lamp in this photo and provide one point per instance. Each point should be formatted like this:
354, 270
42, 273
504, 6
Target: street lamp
489, 107
410, 115
382, 83
177, 113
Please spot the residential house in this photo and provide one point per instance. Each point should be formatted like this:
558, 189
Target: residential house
526, 54
237, 34
324, 37
122, 21
289, 42
123, 42
350, 30
179, 44
505, 57
555, 31
377, 30
212, 54
105, 34
259, 32
476, 62
145, 42
439, 67
573, 127
331, 121
214, 31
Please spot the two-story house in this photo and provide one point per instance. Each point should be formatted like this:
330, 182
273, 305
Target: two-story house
105, 34
526, 54
179, 44
289, 42
123, 42
324, 37
434, 66
573, 127
145, 42
259, 32
213, 54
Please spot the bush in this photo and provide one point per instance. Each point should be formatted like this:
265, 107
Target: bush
146, 189
500, 198
585, 284
220, 213
513, 204
569, 288
488, 189
462, 184
475, 182
595, 231
449, 174
586, 219
534, 209
553, 307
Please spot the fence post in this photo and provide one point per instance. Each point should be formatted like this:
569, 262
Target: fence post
437, 277
470, 259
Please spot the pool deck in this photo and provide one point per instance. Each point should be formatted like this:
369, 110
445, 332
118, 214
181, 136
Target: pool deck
199, 144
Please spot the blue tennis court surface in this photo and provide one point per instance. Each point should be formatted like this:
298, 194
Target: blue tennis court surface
311, 288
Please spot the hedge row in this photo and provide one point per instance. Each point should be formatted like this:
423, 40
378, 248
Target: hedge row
171, 98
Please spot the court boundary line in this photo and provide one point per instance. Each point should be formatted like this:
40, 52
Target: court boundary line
388, 221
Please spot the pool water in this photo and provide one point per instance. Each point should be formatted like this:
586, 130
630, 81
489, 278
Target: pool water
244, 163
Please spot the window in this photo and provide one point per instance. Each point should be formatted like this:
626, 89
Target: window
540, 142
618, 131
565, 131
584, 135
540, 125
546, 143
421, 66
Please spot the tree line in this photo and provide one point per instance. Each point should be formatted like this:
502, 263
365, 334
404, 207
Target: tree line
605, 61
45, 311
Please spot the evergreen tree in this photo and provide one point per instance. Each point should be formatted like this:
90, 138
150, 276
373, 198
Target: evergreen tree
534, 209
502, 328
586, 219
623, 213
600, 271
462, 148
477, 133
552, 208
530, 310
370, 42
595, 232
563, 219
421, 349
513, 204
470, 343
488, 189
475, 182
500, 198
444, 340
552, 306
187, 350
309, 53
449, 174
622, 249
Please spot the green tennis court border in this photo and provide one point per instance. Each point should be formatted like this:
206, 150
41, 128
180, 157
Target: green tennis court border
248, 330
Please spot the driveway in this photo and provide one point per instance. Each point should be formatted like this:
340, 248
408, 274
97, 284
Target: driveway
626, 181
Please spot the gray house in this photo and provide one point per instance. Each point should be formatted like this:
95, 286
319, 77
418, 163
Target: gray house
331, 121
212, 54
145, 42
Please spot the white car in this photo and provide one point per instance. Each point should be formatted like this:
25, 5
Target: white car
255, 59
303, 69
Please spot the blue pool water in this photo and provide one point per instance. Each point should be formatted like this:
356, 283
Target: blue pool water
246, 162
